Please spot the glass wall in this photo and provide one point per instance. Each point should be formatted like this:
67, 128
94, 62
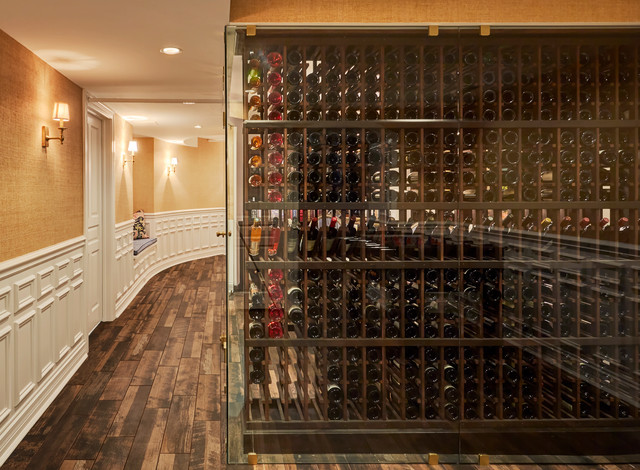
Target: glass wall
438, 246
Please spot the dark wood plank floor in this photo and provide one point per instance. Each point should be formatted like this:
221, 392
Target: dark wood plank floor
149, 395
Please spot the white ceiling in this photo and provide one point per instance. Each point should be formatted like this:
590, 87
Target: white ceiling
112, 48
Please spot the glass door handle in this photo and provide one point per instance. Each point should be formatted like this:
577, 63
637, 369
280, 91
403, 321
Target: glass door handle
223, 344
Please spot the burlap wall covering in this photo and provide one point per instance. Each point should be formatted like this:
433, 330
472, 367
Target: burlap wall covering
41, 201
198, 181
435, 11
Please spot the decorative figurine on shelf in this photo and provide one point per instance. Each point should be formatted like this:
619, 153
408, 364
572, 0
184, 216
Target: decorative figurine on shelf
139, 229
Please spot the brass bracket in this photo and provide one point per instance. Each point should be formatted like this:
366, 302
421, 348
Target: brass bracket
252, 457
251, 30
433, 30
483, 459
485, 30
432, 459
46, 138
223, 344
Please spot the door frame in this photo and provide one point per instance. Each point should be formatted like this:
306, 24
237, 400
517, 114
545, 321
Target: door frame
107, 188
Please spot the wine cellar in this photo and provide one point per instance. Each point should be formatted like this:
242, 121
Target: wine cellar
440, 243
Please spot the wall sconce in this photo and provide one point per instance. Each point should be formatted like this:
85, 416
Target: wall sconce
172, 165
133, 148
60, 114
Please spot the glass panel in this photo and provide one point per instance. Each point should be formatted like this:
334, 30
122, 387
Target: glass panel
558, 154
426, 247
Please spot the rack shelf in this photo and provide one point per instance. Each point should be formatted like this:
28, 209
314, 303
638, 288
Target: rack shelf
441, 234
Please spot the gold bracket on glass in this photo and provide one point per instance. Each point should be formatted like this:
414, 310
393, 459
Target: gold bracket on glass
433, 30
251, 30
483, 459
253, 458
432, 459
223, 344
485, 30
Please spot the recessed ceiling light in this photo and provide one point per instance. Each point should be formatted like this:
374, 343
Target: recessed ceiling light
171, 50
134, 118
198, 126
188, 102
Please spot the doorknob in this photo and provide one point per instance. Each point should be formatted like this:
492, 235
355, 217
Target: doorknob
222, 234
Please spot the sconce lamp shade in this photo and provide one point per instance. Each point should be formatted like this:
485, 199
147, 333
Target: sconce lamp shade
61, 112
174, 161
133, 146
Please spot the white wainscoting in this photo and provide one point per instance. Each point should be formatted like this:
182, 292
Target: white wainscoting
182, 236
43, 337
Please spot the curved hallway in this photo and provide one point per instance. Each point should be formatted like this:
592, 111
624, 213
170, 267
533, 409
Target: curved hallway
148, 396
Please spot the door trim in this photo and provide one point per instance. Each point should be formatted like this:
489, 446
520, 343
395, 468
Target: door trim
107, 186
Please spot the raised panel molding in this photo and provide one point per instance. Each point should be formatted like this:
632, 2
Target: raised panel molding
26, 350
5, 299
62, 323
77, 317
24, 293
182, 236
77, 266
63, 272
37, 301
44, 281
46, 354
6, 360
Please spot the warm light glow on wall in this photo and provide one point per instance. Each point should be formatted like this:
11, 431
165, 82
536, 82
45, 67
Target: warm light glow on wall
133, 148
171, 167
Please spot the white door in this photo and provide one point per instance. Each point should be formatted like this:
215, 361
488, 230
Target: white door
94, 221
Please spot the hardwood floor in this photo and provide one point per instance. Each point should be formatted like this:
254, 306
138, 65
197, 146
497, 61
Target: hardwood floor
149, 395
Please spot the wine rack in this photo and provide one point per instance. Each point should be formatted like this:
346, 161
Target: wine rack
455, 245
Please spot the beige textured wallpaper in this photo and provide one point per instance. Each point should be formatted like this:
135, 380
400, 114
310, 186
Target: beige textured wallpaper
199, 178
143, 175
435, 11
123, 133
41, 196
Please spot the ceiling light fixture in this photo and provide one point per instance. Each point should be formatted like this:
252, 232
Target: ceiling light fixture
171, 50
188, 102
198, 126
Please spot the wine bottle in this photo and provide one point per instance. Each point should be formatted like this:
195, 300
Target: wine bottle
312, 236
257, 375
256, 236
274, 238
256, 330
332, 237
351, 238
